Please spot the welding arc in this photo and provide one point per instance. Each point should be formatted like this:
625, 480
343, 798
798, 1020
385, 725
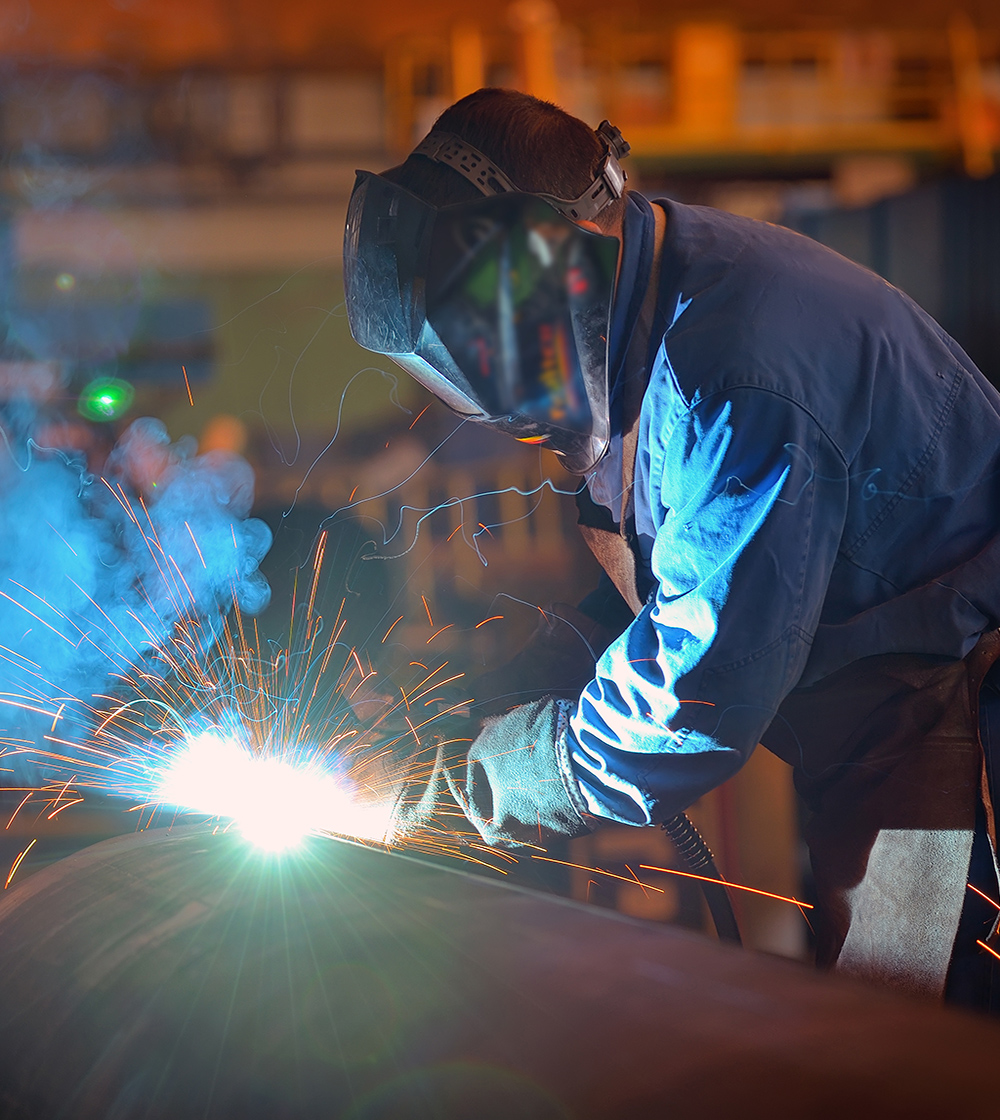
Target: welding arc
698, 858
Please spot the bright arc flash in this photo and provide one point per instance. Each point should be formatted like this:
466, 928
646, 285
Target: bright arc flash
275, 802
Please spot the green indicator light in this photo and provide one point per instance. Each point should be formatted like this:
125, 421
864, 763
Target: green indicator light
65, 281
106, 398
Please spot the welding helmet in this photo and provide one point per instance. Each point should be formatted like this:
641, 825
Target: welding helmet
500, 307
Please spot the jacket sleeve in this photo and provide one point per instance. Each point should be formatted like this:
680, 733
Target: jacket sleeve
742, 504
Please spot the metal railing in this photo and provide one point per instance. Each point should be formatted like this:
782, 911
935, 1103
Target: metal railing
696, 91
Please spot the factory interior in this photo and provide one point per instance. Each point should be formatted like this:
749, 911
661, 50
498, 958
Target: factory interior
173, 194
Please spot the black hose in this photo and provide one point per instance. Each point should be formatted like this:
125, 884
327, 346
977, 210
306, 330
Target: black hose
698, 859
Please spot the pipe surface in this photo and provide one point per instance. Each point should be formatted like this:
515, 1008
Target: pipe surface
176, 974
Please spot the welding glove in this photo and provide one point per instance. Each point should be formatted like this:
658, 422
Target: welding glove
516, 783
513, 782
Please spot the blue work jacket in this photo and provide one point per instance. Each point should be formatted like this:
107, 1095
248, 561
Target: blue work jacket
816, 482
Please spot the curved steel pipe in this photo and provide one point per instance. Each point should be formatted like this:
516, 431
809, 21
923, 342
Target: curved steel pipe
172, 975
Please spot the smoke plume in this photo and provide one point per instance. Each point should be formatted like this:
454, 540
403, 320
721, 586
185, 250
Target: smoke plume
96, 572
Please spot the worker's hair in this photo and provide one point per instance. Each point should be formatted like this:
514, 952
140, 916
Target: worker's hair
539, 146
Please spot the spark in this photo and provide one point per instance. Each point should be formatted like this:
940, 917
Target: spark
633, 882
25, 706
416, 418
37, 618
17, 862
258, 738
67, 805
27, 797
731, 886
492, 618
636, 877
63, 539
391, 628
187, 385
55, 718
61, 793
982, 895
195, 543
254, 738
992, 952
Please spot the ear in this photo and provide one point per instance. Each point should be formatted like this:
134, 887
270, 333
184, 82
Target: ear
588, 224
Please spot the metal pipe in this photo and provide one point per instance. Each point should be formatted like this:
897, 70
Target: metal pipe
174, 974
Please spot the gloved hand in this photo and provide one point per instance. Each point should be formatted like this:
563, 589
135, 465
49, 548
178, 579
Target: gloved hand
513, 781
516, 783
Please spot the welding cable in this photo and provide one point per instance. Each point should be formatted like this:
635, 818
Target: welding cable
698, 859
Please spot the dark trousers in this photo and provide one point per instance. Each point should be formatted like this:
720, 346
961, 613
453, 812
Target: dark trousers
974, 974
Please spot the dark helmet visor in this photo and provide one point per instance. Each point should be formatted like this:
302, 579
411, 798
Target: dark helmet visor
499, 306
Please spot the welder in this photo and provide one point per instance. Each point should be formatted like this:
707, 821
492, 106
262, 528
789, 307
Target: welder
789, 473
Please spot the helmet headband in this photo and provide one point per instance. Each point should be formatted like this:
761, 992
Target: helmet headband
607, 186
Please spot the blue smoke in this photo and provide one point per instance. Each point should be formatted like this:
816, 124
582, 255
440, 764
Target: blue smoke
96, 573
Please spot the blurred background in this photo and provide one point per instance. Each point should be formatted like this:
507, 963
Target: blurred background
173, 186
